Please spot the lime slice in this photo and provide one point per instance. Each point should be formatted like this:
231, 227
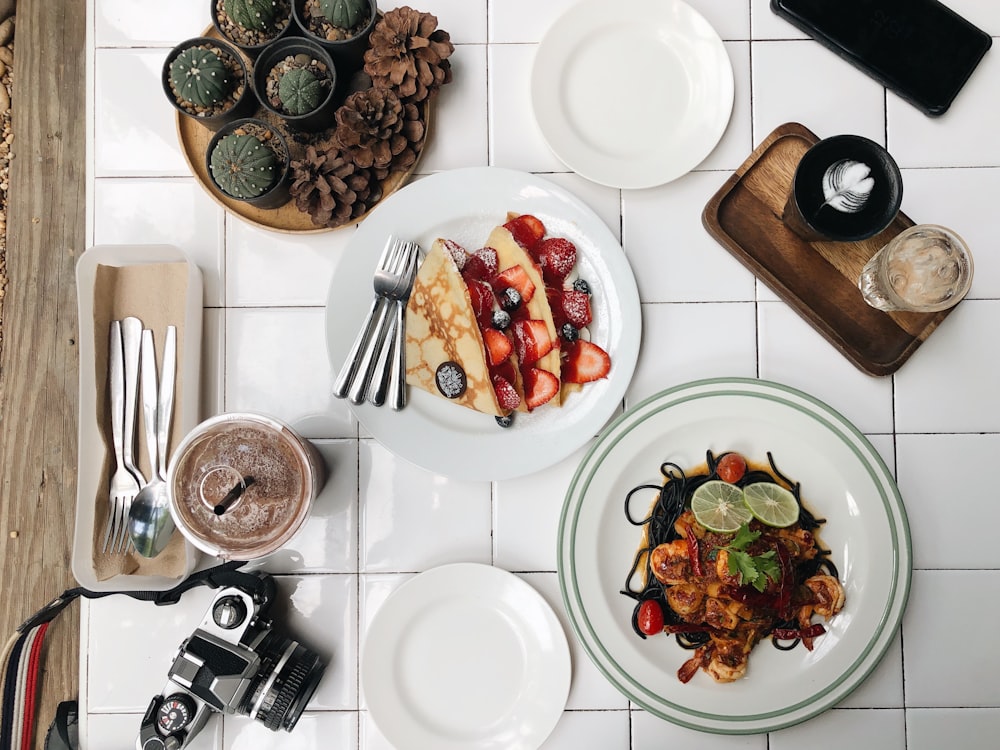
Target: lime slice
771, 504
719, 506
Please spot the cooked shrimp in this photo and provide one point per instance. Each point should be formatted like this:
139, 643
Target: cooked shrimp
685, 599
728, 659
725, 614
828, 595
722, 568
670, 562
801, 544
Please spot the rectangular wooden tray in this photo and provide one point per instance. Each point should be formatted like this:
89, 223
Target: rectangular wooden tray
818, 279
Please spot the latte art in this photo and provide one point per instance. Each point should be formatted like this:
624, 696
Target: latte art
847, 185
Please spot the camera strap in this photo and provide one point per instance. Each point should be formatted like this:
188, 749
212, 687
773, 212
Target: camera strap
20, 659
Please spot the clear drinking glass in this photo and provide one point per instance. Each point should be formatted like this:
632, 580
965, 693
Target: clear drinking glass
925, 268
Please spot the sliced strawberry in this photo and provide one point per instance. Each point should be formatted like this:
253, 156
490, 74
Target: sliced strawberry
482, 298
584, 362
507, 395
540, 386
458, 253
527, 231
516, 277
531, 340
498, 346
481, 265
505, 370
556, 256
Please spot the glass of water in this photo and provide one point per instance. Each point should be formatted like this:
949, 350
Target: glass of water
925, 268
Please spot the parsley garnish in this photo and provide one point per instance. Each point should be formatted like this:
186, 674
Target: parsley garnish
752, 569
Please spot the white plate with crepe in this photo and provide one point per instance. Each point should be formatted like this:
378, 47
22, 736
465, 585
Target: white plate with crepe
465, 205
843, 480
632, 94
465, 657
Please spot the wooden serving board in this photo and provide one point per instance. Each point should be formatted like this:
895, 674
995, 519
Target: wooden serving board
818, 279
194, 137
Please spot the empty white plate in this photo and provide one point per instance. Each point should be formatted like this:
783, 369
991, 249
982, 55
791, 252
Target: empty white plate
465, 657
632, 94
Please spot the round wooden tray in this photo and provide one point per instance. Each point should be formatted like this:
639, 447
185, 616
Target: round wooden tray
194, 137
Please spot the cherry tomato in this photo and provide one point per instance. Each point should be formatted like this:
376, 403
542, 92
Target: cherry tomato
650, 619
731, 468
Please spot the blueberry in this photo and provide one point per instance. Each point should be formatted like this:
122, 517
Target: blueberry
505, 422
569, 332
581, 285
501, 320
510, 299
450, 379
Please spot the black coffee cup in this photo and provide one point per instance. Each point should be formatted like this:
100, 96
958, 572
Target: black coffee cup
846, 188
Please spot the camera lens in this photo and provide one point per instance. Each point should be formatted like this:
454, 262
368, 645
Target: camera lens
286, 680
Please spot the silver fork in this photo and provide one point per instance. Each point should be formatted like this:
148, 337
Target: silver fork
393, 342
389, 286
350, 368
123, 482
131, 342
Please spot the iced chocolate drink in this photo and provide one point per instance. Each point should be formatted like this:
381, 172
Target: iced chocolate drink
846, 188
242, 484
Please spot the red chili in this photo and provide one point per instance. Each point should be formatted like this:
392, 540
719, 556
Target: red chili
693, 552
787, 634
686, 628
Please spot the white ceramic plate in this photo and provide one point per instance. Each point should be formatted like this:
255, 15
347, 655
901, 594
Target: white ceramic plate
465, 205
465, 657
843, 480
632, 94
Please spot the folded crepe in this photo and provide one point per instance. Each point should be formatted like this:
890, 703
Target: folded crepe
445, 353
510, 253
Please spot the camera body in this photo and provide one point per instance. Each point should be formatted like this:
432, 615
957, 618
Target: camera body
236, 663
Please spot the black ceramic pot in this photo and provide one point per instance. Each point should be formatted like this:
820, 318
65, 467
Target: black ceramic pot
278, 193
251, 49
320, 118
348, 54
244, 103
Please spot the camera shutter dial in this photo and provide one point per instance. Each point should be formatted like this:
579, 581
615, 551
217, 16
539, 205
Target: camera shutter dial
229, 612
174, 714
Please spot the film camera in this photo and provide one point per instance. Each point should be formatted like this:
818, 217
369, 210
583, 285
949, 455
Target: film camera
234, 663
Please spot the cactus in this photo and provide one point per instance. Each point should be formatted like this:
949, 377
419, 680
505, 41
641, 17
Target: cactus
299, 91
345, 14
255, 15
242, 166
199, 76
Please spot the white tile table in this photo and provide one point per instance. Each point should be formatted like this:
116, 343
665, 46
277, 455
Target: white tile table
380, 520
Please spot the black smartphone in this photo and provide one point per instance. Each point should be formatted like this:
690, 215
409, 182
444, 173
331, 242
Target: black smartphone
919, 49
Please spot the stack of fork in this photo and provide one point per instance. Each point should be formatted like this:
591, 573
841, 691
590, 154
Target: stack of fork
125, 347
375, 364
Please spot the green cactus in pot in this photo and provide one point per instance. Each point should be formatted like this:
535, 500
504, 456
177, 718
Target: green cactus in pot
200, 77
345, 14
242, 166
255, 15
299, 91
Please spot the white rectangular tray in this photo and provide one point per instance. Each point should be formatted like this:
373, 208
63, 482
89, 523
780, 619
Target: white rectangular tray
92, 448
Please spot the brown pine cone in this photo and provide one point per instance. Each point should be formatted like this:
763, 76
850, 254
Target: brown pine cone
332, 189
408, 53
377, 131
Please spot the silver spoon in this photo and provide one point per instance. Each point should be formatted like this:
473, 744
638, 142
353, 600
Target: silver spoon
150, 524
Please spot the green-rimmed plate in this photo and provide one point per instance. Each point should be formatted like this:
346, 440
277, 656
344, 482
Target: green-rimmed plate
843, 480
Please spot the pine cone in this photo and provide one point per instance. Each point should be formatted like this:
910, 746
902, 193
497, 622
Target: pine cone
377, 131
408, 53
330, 188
